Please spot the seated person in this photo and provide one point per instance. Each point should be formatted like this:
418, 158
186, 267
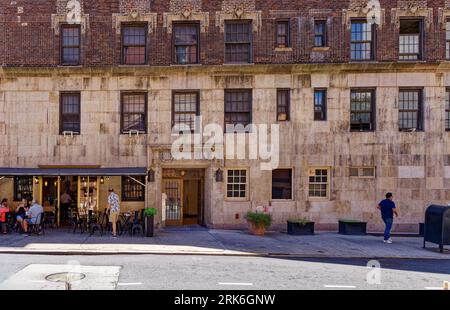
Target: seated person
33, 215
21, 212
3, 210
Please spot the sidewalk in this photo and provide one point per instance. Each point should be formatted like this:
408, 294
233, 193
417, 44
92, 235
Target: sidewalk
221, 242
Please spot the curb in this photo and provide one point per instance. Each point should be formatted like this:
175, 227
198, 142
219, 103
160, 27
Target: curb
218, 254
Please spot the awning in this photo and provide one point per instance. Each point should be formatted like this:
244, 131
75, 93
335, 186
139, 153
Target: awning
11, 172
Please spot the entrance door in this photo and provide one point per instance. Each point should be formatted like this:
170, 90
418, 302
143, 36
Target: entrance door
173, 190
192, 202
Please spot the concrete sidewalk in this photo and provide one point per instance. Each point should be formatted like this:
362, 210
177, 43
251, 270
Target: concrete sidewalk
221, 242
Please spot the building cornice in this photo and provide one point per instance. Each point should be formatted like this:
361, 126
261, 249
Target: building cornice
154, 71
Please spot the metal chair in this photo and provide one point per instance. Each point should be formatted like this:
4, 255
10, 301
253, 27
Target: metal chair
95, 224
38, 226
137, 224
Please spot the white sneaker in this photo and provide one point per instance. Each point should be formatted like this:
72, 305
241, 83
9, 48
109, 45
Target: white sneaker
389, 241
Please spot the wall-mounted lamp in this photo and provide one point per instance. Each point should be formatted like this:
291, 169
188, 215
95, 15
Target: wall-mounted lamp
219, 175
102, 180
36, 180
45, 183
151, 176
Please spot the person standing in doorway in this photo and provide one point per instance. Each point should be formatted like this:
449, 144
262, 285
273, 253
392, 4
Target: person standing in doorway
388, 210
66, 201
114, 210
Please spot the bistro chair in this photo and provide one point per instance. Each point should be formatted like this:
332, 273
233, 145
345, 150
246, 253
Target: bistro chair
38, 226
137, 224
95, 224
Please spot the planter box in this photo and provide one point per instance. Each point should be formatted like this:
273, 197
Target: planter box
421, 229
257, 230
352, 227
149, 226
297, 229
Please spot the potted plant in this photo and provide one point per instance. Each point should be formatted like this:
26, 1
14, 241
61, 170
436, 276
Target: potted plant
149, 215
300, 227
258, 222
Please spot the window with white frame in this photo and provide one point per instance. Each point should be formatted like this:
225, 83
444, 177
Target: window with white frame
319, 182
237, 183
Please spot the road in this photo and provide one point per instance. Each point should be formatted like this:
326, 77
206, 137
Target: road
234, 273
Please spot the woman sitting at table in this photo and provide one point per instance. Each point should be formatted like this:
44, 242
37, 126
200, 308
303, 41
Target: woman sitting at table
21, 212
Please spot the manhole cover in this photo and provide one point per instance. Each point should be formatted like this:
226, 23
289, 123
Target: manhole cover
65, 277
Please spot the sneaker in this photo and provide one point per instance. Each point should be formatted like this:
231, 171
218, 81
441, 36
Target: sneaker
389, 241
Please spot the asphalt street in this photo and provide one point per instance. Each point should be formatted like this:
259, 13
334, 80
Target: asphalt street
248, 273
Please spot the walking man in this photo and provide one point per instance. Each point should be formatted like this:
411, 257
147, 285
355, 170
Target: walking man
388, 210
114, 210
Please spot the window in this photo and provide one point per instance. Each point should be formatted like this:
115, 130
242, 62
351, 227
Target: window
70, 113
237, 183
318, 182
70, 45
362, 39
134, 112
362, 172
447, 110
320, 30
362, 110
447, 39
410, 110
186, 44
410, 39
320, 105
238, 107
23, 188
185, 108
283, 34
238, 46
134, 45
282, 184
283, 104
133, 188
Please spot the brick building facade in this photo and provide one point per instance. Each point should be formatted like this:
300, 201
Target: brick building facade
314, 50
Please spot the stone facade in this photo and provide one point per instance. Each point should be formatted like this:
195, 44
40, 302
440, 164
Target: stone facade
413, 165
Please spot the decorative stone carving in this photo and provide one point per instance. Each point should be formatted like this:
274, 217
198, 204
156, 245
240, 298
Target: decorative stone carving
370, 10
134, 7
186, 10
412, 11
239, 9
70, 12
150, 18
444, 14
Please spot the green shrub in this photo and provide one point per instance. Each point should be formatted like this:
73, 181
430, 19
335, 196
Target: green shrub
259, 218
150, 212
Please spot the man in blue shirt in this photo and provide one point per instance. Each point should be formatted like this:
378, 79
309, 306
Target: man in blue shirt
388, 210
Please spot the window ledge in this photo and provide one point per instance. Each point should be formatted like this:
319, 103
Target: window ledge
70, 66
134, 66
238, 64
186, 65
321, 49
283, 49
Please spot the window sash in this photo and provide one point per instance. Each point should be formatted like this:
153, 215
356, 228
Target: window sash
238, 107
237, 183
320, 33
362, 40
132, 190
282, 184
410, 110
319, 183
283, 104
70, 44
320, 105
134, 112
238, 42
283, 34
70, 112
134, 47
185, 108
410, 43
362, 110
186, 51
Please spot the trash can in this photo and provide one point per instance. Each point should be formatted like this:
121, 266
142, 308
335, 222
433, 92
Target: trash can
437, 226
